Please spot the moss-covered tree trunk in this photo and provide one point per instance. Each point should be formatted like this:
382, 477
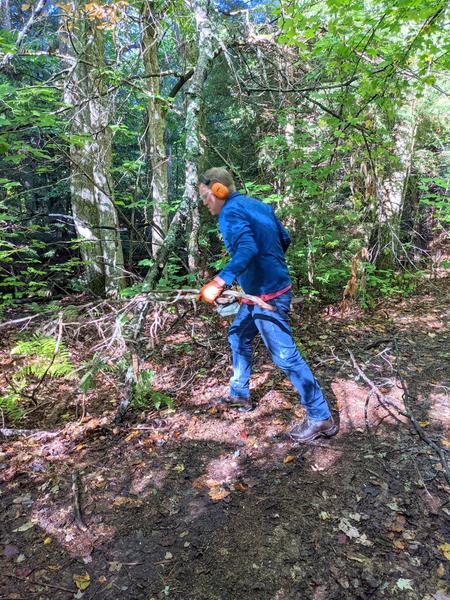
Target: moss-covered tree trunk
95, 215
193, 147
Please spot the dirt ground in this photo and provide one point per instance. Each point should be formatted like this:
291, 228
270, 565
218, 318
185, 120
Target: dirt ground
205, 503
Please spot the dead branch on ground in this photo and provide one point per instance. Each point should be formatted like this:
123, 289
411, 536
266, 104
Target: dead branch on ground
407, 413
76, 498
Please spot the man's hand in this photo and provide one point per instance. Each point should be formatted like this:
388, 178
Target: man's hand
212, 290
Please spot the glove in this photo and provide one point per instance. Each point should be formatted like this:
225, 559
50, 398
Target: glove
211, 291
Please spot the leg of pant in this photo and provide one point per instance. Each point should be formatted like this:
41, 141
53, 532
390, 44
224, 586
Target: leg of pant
276, 334
241, 335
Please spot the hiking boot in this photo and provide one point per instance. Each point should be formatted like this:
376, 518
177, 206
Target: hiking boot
311, 430
242, 404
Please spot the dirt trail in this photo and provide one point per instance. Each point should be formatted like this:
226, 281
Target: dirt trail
208, 504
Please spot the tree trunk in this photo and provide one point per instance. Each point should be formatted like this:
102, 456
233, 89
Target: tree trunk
93, 209
156, 124
133, 329
391, 190
193, 148
5, 16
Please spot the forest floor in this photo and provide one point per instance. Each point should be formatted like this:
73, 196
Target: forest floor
205, 503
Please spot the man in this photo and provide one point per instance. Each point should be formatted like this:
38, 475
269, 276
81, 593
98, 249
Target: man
256, 242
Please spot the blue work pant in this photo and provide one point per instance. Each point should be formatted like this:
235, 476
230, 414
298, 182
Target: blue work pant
276, 334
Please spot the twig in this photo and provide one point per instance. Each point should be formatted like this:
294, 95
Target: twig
50, 585
405, 413
439, 451
76, 497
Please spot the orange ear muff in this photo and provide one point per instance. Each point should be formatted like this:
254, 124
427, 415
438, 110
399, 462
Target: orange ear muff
220, 190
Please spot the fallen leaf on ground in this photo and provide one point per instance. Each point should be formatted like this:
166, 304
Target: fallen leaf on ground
399, 524
404, 584
25, 526
179, 468
131, 435
82, 581
289, 458
204, 482
286, 406
399, 544
218, 493
445, 549
114, 566
240, 487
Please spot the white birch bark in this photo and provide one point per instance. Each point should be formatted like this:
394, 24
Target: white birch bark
391, 189
91, 189
156, 124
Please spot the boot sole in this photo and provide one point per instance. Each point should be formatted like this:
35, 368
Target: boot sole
240, 408
327, 434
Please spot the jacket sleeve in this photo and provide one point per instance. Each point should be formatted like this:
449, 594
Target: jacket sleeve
240, 243
285, 238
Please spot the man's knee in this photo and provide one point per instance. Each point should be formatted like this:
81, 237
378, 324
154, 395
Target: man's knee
287, 358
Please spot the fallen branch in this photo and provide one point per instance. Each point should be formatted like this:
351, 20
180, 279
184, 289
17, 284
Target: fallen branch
5, 432
76, 497
439, 451
404, 413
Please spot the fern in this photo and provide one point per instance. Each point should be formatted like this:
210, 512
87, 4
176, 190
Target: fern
42, 360
9, 403
41, 350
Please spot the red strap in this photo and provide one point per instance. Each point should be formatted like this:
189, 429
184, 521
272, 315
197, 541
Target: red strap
270, 296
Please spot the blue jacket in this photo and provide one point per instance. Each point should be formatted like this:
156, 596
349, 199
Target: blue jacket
256, 242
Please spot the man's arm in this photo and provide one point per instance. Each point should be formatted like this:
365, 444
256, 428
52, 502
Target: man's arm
241, 243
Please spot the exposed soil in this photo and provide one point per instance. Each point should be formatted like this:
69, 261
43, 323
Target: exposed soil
204, 503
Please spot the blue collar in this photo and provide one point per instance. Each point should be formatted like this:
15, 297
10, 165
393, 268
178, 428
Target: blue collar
233, 194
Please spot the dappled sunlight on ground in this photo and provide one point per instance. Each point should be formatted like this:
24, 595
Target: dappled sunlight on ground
56, 523
218, 505
355, 411
144, 482
439, 410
